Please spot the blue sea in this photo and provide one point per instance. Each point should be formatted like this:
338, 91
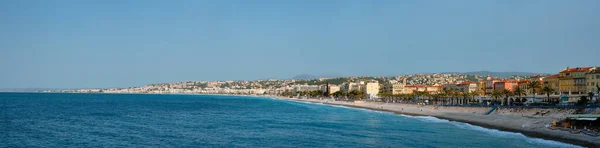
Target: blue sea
142, 120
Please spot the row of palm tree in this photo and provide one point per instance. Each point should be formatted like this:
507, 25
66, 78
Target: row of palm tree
353, 95
445, 97
314, 93
506, 94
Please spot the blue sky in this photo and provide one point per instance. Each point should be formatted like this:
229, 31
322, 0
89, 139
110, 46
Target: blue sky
121, 43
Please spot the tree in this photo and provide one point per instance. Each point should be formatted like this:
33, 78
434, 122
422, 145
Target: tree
396, 97
582, 100
548, 91
384, 96
340, 93
356, 94
449, 96
591, 96
443, 95
465, 96
506, 94
410, 97
316, 93
435, 98
518, 92
533, 85
473, 94
419, 94
598, 92
496, 94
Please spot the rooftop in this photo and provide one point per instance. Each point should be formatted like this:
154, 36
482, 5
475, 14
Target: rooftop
576, 69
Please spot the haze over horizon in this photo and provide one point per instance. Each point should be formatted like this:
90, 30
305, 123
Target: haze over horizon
114, 43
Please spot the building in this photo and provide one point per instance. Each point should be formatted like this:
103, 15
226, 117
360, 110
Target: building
464, 87
433, 89
573, 80
393, 87
332, 88
467, 87
552, 82
489, 84
506, 85
409, 89
593, 80
481, 87
301, 88
353, 86
450, 87
522, 84
371, 88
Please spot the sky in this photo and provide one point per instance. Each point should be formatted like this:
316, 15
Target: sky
122, 43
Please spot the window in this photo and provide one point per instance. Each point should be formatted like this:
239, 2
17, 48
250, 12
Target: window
597, 76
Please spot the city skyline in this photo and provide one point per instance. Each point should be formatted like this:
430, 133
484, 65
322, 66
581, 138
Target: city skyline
83, 44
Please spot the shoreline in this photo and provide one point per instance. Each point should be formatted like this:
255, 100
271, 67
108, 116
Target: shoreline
498, 122
543, 133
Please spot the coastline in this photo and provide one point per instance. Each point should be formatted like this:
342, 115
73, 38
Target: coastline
518, 124
473, 116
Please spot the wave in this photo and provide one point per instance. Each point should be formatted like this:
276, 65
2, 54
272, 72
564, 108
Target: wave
493, 132
466, 126
341, 106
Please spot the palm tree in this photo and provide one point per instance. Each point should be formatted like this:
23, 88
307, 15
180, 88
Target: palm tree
442, 95
396, 97
357, 93
417, 94
590, 95
435, 98
518, 92
547, 90
465, 96
496, 94
449, 96
381, 96
597, 92
340, 93
506, 94
533, 85
427, 96
410, 97
473, 94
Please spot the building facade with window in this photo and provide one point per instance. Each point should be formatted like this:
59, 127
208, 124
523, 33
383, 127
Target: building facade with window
593, 80
573, 80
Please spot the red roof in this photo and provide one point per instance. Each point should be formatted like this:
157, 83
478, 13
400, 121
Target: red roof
467, 82
576, 69
418, 86
552, 76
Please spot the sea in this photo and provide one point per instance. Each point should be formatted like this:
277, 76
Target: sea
158, 120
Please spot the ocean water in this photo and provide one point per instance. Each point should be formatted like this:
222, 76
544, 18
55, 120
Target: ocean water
139, 120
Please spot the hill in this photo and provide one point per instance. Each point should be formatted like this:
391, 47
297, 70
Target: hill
304, 77
502, 74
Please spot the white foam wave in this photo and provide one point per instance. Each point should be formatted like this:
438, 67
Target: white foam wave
466, 126
493, 132
427, 119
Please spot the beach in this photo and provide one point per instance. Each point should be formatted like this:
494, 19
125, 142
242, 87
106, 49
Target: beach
525, 121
